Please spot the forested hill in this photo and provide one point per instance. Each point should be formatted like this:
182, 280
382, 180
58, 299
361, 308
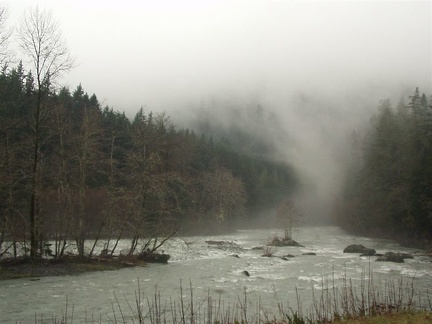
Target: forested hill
100, 173
246, 130
389, 188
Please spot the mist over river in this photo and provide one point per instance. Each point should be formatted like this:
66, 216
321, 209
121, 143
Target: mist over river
216, 271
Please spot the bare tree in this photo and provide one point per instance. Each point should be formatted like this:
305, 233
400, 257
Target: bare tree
12, 178
87, 154
5, 34
42, 41
221, 195
60, 198
288, 215
43, 44
152, 198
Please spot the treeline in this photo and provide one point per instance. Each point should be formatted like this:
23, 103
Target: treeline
389, 189
73, 170
100, 174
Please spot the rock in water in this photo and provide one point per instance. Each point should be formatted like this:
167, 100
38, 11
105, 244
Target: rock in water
154, 257
246, 273
394, 257
284, 242
358, 248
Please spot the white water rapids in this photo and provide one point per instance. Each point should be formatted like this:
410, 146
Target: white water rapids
217, 272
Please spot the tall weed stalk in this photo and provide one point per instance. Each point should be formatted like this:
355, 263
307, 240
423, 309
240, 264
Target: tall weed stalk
328, 303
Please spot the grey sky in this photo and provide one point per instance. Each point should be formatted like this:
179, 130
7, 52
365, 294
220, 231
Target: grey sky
163, 53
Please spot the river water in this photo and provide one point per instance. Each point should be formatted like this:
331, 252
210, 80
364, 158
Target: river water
204, 272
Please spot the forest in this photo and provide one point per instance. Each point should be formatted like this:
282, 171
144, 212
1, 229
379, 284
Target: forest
388, 192
100, 174
73, 170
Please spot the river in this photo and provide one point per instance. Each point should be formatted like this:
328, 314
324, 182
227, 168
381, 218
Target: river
215, 274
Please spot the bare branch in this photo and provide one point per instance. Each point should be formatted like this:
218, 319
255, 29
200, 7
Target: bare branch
42, 42
5, 34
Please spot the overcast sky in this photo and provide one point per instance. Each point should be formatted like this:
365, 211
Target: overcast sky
161, 54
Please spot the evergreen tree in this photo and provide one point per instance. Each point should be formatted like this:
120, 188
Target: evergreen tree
391, 192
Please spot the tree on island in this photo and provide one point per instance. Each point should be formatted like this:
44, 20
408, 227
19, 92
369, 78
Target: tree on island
287, 216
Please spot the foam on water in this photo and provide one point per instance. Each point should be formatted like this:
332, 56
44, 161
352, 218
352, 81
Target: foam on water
218, 270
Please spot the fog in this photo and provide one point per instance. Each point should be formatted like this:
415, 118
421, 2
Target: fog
318, 68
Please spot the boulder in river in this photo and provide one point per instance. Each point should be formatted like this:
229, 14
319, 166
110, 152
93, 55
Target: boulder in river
213, 242
257, 248
154, 257
246, 273
394, 257
359, 248
284, 242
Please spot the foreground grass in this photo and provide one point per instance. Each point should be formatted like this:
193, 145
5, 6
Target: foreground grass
396, 302
403, 317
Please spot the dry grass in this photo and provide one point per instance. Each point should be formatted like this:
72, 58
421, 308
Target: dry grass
395, 302
268, 251
409, 317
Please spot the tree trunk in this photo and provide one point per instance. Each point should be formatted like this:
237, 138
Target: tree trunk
33, 199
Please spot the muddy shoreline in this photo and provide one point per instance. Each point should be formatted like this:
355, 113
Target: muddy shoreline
67, 266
